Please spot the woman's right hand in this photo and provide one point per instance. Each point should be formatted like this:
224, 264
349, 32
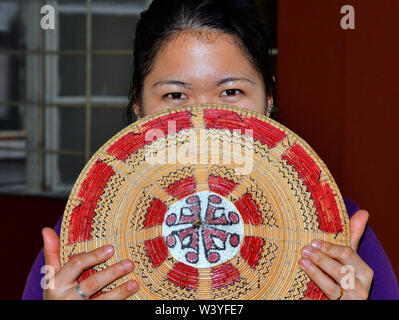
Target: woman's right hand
65, 279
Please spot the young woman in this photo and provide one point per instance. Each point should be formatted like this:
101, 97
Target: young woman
212, 51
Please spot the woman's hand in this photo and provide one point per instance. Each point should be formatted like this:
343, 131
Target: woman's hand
324, 260
65, 281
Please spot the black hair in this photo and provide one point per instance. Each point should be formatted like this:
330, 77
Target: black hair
166, 18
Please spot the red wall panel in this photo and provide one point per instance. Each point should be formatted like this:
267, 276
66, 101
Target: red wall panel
338, 90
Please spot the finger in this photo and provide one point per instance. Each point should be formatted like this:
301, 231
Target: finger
51, 248
343, 254
357, 224
122, 292
348, 257
103, 278
329, 287
78, 263
324, 262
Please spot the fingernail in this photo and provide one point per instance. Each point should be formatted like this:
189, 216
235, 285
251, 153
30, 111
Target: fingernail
306, 264
108, 249
307, 251
132, 285
316, 244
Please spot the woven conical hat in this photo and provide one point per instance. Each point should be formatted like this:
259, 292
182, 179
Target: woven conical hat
209, 202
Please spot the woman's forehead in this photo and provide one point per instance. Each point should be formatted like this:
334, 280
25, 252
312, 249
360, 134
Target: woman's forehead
197, 57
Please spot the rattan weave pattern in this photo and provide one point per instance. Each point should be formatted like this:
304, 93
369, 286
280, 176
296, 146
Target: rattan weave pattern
223, 214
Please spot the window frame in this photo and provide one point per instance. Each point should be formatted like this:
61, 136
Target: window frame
42, 102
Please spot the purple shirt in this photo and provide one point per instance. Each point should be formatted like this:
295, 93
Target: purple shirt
384, 286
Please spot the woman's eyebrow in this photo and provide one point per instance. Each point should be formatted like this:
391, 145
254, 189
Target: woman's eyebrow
232, 79
178, 83
183, 84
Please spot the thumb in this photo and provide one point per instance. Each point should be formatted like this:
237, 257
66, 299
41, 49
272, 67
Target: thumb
51, 248
357, 225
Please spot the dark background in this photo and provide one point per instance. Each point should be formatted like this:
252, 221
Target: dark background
337, 89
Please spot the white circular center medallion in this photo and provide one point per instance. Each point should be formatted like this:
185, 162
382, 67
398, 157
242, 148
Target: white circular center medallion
203, 229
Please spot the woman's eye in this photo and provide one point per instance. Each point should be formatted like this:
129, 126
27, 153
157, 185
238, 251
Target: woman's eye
231, 92
175, 95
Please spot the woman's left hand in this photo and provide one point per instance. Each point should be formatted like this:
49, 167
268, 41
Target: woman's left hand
324, 263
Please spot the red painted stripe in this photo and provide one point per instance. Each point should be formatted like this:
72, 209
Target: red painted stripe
262, 131
157, 250
224, 275
249, 209
314, 292
155, 214
133, 141
90, 191
182, 188
220, 185
184, 276
251, 250
322, 193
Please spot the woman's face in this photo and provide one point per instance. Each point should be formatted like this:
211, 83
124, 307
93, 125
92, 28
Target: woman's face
201, 68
